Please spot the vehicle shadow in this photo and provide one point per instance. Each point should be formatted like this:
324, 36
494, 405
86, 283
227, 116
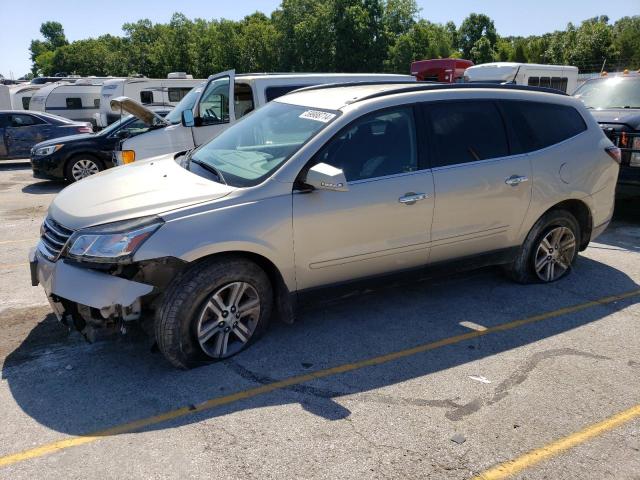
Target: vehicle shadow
77, 388
15, 165
624, 230
44, 187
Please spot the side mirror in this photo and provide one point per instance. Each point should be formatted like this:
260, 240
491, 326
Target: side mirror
187, 118
325, 177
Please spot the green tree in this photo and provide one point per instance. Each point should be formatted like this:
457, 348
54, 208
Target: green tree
54, 38
626, 41
482, 51
472, 29
424, 40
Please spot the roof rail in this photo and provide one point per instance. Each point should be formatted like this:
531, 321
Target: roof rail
405, 87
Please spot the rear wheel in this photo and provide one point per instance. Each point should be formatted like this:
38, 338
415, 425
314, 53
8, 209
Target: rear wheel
549, 251
81, 167
213, 311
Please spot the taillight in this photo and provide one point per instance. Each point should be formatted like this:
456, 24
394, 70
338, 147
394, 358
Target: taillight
615, 153
85, 129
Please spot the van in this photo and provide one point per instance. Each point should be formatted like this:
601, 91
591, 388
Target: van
443, 70
158, 92
76, 101
558, 77
322, 186
206, 110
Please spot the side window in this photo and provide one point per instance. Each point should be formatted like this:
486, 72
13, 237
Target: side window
534, 81
466, 131
563, 84
379, 144
136, 128
214, 104
23, 120
556, 82
175, 93
545, 82
243, 99
25, 102
538, 125
96, 102
74, 103
146, 96
277, 91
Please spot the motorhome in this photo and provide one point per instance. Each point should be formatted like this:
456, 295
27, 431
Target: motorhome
558, 77
443, 70
165, 92
76, 101
5, 97
21, 95
206, 110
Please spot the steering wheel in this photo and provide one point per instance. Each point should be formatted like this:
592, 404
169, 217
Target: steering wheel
212, 114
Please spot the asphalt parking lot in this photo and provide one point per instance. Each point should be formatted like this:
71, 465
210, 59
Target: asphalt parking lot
454, 376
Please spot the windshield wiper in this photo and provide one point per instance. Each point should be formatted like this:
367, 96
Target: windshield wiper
209, 168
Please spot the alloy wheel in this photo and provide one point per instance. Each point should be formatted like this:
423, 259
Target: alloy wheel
228, 319
555, 254
84, 168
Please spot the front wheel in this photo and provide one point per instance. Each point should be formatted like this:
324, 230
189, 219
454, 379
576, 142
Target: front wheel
213, 311
82, 166
549, 251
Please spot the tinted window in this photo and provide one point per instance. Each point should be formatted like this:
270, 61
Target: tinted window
376, 145
563, 84
23, 120
466, 132
74, 103
538, 125
274, 92
534, 81
545, 82
243, 99
25, 102
175, 93
146, 96
96, 102
556, 82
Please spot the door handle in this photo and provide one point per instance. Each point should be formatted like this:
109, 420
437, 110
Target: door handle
410, 198
515, 180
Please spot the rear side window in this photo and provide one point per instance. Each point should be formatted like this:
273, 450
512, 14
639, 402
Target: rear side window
25, 103
538, 125
274, 92
16, 120
146, 96
74, 103
534, 81
466, 131
176, 93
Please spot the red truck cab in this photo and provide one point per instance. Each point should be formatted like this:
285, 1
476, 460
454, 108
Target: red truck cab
445, 70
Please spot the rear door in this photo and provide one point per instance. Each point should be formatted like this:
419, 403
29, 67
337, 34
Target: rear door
22, 132
215, 110
4, 119
482, 192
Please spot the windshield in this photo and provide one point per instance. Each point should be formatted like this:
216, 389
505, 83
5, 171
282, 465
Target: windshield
615, 92
114, 126
186, 103
252, 149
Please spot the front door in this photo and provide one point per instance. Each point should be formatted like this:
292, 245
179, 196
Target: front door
381, 224
482, 192
214, 110
22, 132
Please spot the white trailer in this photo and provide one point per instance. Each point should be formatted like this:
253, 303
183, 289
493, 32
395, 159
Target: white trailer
75, 101
21, 95
559, 77
156, 92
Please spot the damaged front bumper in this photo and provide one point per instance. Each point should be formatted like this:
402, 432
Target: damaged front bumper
98, 297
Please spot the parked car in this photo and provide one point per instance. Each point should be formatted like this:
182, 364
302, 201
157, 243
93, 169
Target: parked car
20, 130
444, 70
558, 77
322, 186
614, 101
78, 156
211, 111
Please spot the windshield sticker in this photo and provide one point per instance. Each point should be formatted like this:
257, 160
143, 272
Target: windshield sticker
318, 116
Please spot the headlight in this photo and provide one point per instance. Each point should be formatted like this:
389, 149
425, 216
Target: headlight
112, 242
48, 150
635, 156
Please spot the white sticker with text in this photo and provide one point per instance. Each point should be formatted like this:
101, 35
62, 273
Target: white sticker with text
318, 116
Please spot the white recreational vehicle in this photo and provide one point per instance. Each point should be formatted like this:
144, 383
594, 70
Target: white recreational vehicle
218, 102
559, 77
75, 101
165, 92
21, 95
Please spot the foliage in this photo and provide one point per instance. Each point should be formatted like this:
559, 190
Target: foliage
327, 35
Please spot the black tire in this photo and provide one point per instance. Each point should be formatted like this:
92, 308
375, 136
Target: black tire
522, 269
71, 163
178, 317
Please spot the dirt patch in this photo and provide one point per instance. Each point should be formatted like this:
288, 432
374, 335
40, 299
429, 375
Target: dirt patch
26, 330
28, 212
5, 186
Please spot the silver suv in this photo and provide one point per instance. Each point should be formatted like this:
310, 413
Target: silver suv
322, 186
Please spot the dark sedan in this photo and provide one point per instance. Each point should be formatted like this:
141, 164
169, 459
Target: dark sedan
20, 130
76, 157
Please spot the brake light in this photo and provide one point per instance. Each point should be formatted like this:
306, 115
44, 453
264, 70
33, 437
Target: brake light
615, 153
128, 156
85, 129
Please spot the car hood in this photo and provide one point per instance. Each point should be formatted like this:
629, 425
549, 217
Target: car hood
137, 110
68, 139
150, 187
628, 116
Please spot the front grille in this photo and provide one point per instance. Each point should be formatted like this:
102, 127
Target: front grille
53, 238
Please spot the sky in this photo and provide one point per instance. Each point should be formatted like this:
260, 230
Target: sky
20, 21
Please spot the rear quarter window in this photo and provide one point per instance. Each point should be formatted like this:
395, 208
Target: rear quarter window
536, 125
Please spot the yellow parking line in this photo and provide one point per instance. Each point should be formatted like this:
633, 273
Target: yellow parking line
511, 467
296, 380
